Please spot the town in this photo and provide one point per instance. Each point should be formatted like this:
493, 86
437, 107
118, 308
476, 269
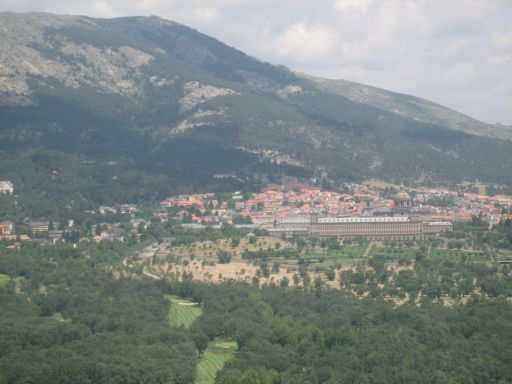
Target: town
279, 208
284, 210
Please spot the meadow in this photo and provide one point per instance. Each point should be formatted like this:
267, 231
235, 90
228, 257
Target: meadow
182, 312
218, 352
4, 279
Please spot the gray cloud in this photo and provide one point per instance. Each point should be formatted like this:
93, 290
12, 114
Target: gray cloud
457, 53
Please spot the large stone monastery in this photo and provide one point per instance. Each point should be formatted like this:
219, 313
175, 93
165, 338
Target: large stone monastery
403, 225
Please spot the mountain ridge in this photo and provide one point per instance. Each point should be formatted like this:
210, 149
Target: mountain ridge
411, 106
171, 107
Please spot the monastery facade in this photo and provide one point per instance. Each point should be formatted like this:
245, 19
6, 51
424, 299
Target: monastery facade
370, 228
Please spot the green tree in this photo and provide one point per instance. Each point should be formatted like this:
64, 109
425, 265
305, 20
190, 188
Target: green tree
224, 257
200, 341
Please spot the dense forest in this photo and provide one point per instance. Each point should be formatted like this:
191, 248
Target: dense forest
75, 315
66, 319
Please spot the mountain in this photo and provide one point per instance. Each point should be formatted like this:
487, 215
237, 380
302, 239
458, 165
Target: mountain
129, 109
411, 107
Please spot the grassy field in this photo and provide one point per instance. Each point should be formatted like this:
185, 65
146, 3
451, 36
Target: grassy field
458, 255
218, 352
348, 255
4, 279
183, 312
210, 248
395, 253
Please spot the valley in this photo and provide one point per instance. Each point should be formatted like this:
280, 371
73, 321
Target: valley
174, 210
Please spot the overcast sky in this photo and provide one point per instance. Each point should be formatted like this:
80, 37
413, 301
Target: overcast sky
455, 52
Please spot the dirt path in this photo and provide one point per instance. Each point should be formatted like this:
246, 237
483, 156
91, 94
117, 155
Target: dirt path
368, 250
149, 274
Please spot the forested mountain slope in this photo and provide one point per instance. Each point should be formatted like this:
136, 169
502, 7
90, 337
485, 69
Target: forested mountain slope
411, 107
141, 107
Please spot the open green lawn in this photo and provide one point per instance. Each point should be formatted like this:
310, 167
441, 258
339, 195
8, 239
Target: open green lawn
57, 316
347, 255
218, 352
350, 254
395, 253
353, 251
4, 279
183, 312
457, 255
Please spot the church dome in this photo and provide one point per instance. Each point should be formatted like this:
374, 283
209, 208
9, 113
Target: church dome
402, 195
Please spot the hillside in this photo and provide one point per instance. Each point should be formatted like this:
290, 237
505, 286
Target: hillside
411, 107
130, 109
